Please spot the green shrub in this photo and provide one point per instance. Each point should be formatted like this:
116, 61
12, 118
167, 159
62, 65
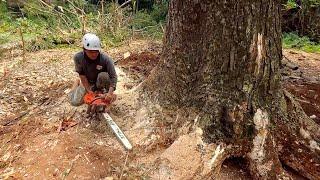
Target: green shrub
292, 40
4, 13
291, 4
6, 25
305, 3
159, 12
146, 25
142, 20
115, 39
312, 2
44, 27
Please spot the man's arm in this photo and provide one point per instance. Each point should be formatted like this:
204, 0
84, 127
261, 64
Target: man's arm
78, 59
85, 82
111, 89
113, 76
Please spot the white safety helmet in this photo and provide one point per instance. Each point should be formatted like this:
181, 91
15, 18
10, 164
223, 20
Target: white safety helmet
91, 42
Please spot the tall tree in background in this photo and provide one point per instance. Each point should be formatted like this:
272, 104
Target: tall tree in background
223, 59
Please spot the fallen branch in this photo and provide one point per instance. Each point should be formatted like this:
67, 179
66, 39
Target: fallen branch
142, 29
9, 123
162, 28
66, 123
125, 163
287, 62
23, 45
124, 4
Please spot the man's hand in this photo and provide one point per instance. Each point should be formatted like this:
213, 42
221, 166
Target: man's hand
89, 91
110, 97
85, 83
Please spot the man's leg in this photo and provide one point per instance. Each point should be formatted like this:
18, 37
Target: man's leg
77, 93
75, 84
103, 84
103, 81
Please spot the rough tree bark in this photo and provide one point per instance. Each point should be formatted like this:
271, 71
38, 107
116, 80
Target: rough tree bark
223, 58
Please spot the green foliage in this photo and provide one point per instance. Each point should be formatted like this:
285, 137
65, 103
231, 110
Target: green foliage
115, 39
292, 40
142, 20
311, 3
305, 4
151, 23
6, 25
144, 24
159, 12
291, 4
4, 14
47, 25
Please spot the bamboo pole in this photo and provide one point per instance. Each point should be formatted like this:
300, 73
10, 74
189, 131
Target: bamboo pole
23, 45
102, 17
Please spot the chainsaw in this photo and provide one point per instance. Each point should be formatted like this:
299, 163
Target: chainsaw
97, 104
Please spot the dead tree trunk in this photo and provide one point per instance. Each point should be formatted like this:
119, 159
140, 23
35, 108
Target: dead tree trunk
223, 58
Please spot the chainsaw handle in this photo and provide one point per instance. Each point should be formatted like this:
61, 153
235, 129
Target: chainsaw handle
97, 98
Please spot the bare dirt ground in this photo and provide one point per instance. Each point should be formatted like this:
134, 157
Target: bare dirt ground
304, 82
34, 113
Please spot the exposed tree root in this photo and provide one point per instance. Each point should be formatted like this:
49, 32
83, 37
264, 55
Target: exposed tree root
235, 88
298, 140
263, 158
291, 141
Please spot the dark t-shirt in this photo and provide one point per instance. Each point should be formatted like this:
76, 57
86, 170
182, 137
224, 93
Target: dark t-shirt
91, 68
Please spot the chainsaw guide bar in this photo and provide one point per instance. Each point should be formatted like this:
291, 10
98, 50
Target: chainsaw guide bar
115, 128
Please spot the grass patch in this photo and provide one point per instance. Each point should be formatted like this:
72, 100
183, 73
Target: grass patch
291, 4
147, 25
292, 40
45, 27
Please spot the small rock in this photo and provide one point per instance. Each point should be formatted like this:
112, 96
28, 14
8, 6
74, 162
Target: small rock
313, 117
308, 78
292, 52
295, 77
55, 173
6, 156
100, 143
126, 55
292, 66
67, 91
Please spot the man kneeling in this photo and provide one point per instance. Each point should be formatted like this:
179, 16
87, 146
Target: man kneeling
96, 71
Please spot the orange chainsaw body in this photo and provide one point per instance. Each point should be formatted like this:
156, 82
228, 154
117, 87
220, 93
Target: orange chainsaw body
96, 99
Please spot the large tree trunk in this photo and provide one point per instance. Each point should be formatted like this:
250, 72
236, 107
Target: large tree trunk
223, 58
